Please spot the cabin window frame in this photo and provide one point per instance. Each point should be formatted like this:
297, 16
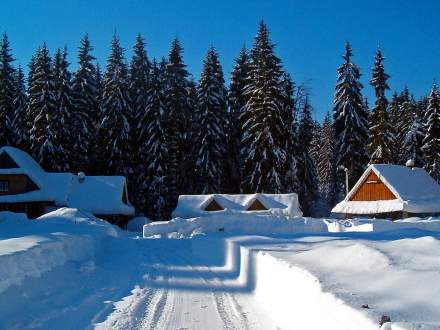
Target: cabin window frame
4, 186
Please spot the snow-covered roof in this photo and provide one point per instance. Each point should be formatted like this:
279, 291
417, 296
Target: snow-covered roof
415, 190
96, 194
190, 206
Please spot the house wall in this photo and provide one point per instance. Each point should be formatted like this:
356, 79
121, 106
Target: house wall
373, 189
18, 184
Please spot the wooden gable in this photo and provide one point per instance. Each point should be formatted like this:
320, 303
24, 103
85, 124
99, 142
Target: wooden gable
213, 206
372, 189
256, 205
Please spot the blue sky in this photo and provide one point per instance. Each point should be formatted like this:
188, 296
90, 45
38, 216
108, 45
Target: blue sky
310, 35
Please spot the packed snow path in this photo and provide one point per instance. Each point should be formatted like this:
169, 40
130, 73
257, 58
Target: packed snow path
177, 293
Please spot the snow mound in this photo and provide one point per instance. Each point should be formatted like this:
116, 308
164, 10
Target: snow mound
137, 224
234, 224
29, 248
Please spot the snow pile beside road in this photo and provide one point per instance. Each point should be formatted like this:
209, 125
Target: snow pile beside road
378, 225
31, 248
234, 224
393, 273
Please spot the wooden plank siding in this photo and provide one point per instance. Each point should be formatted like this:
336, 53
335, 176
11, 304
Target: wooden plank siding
372, 189
18, 184
213, 206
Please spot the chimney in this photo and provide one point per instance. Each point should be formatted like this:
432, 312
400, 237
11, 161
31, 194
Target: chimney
81, 177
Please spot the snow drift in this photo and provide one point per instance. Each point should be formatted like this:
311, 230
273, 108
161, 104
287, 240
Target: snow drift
29, 248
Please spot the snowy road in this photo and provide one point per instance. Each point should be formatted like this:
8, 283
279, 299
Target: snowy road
179, 293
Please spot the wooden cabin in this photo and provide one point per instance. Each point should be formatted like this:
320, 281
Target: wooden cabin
191, 206
391, 191
26, 188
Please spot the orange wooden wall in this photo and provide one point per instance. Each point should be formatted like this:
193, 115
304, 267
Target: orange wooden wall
372, 189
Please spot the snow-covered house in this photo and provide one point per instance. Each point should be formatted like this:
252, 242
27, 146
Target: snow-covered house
191, 206
391, 191
26, 187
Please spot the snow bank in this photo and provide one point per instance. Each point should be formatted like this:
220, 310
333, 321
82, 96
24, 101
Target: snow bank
378, 225
29, 248
234, 224
137, 224
258, 224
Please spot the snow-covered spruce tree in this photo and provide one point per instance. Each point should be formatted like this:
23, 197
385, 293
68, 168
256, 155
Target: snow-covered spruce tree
431, 142
291, 137
63, 102
113, 136
177, 122
211, 122
413, 142
99, 88
85, 114
237, 101
406, 114
44, 135
263, 139
139, 75
308, 185
153, 153
190, 179
326, 164
381, 137
6, 93
350, 121
19, 121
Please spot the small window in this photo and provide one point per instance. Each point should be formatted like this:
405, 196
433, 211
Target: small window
4, 186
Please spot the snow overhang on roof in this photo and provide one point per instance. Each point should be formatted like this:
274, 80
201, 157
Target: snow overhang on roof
96, 194
415, 190
190, 206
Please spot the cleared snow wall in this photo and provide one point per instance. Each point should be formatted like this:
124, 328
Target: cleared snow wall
284, 291
32, 256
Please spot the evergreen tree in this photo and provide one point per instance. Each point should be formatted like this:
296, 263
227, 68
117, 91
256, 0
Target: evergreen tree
153, 152
291, 140
211, 120
177, 123
19, 119
381, 138
44, 133
263, 139
237, 102
6, 92
63, 103
406, 115
326, 165
350, 121
190, 179
99, 88
114, 131
139, 87
308, 186
413, 142
85, 115
431, 142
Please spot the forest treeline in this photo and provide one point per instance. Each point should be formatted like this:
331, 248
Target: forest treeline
148, 120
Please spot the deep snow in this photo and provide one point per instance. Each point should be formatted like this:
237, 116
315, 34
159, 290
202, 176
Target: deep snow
72, 271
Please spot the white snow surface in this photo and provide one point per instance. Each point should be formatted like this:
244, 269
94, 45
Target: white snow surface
96, 194
70, 270
190, 206
415, 190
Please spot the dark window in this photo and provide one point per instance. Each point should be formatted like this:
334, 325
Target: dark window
6, 161
4, 186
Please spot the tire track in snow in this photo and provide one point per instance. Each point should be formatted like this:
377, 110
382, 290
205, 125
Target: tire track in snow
229, 310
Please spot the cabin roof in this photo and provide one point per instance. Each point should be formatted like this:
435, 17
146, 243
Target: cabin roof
96, 194
189, 206
415, 190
